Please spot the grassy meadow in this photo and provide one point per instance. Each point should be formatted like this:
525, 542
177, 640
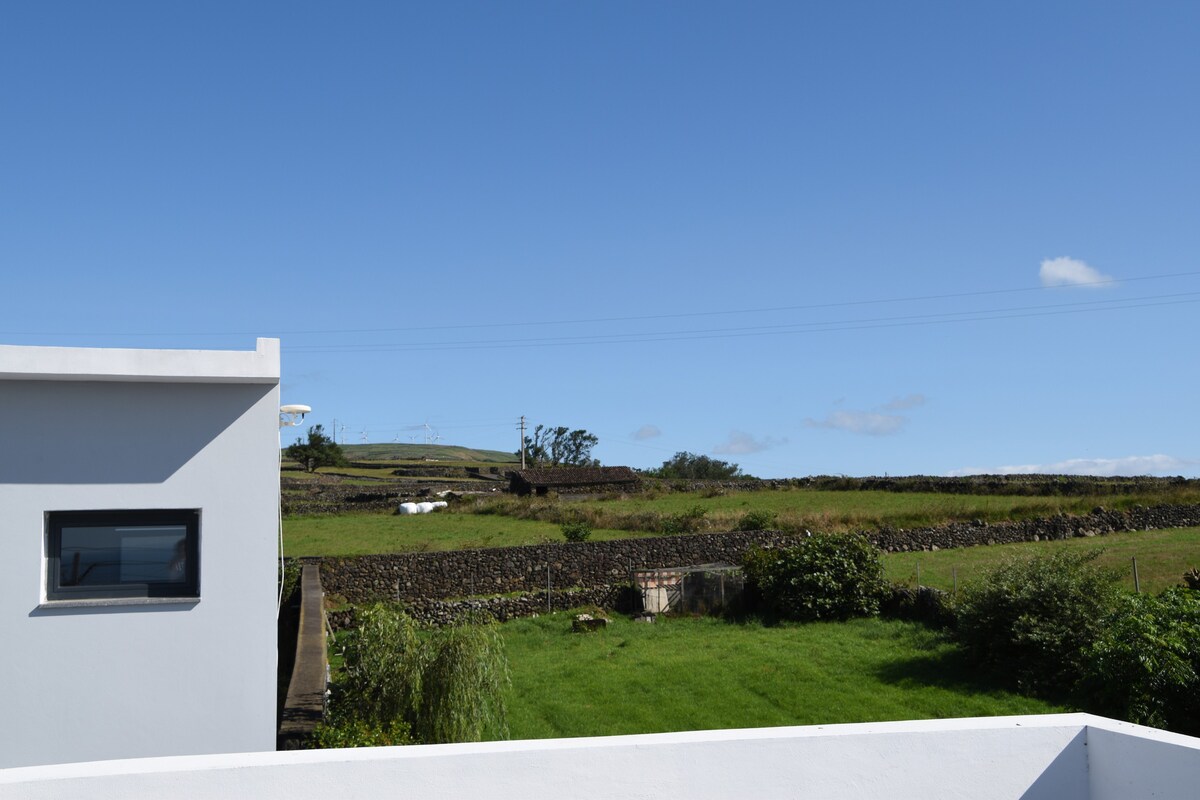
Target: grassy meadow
692, 674
1162, 558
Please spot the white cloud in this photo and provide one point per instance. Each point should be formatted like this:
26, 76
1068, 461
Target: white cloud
741, 443
647, 432
1064, 271
906, 402
1104, 467
870, 423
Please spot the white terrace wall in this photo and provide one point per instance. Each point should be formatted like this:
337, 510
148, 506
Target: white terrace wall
94, 429
1033, 758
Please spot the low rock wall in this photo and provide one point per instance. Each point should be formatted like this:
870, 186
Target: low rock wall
422, 577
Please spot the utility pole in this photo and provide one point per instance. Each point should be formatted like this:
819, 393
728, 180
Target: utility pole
522, 441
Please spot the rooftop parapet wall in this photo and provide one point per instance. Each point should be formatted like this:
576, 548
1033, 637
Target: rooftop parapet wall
1051, 757
261, 365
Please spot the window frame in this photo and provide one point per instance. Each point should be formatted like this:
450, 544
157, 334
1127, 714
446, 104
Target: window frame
154, 591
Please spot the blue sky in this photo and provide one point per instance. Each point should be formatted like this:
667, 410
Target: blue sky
856, 238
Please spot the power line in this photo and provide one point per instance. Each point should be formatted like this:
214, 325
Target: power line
631, 318
983, 315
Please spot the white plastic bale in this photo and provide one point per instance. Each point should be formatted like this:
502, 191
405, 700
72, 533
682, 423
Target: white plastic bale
425, 507
409, 508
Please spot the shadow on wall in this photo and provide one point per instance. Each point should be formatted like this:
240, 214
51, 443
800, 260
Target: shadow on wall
73, 432
1065, 778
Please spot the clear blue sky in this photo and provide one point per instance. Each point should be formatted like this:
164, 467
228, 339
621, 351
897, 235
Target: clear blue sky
810, 238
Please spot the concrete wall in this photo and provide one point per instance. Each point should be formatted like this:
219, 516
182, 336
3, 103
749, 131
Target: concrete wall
139, 430
1052, 757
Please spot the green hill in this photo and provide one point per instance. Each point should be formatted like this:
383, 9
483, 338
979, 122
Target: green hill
446, 453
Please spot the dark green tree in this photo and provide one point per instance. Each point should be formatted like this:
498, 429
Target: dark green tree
560, 446
319, 451
689, 465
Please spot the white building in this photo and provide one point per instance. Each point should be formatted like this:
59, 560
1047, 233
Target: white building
138, 519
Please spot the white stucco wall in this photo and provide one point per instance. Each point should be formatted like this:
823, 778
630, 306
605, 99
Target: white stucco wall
99, 429
1032, 758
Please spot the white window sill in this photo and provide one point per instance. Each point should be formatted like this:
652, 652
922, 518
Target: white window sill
104, 602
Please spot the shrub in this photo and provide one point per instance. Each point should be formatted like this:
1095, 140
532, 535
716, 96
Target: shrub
382, 667
358, 733
756, 521
825, 576
1032, 619
1145, 664
399, 686
464, 685
683, 522
576, 531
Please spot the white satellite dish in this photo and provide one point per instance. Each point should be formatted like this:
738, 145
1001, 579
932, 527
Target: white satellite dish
292, 415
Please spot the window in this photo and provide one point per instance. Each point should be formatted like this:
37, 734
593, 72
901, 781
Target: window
123, 554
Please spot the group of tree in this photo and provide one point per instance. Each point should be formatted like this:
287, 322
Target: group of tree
696, 467
318, 451
560, 446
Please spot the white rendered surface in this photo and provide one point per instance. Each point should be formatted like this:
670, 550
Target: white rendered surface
260, 365
184, 430
1049, 757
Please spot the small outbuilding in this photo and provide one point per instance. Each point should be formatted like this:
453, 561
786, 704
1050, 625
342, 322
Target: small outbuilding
573, 480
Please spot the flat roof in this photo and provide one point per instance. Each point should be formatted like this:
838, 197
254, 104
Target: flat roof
261, 365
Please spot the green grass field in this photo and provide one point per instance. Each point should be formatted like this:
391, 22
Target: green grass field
820, 510
1162, 558
692, 674
363, 534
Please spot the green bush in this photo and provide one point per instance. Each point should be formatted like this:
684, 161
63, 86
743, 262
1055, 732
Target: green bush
756, 521
400, 685
382, 667
684, 522
576, 531
464, 686
1144, 666
358, 733
1033, 619
823, 577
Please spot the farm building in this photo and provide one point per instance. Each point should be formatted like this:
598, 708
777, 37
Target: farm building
573, 480
140, 496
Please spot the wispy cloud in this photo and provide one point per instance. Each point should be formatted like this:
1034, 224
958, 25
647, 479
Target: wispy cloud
1064, 271
879, 421
870, 423
741, 443
647, 432
903, 403
1103, 467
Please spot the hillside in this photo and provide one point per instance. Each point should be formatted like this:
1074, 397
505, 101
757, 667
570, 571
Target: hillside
448, 453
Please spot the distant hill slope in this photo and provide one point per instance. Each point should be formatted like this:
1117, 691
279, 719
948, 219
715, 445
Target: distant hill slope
425, 452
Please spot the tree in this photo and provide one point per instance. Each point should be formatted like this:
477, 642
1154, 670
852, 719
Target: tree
561, 446
689, 465
320, 451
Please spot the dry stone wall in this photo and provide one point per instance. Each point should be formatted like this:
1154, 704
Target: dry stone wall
422, 577
427, 576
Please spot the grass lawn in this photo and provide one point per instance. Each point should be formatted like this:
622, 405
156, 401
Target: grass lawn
1162, 556
692, 674
362, 534
829, 511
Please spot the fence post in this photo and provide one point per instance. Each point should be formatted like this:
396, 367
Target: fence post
1137, 584
548, 610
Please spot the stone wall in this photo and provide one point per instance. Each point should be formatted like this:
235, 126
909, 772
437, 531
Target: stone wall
443, 612
1062, 526
457, 573
421, 577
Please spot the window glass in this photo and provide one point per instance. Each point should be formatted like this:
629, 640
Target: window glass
123, 554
